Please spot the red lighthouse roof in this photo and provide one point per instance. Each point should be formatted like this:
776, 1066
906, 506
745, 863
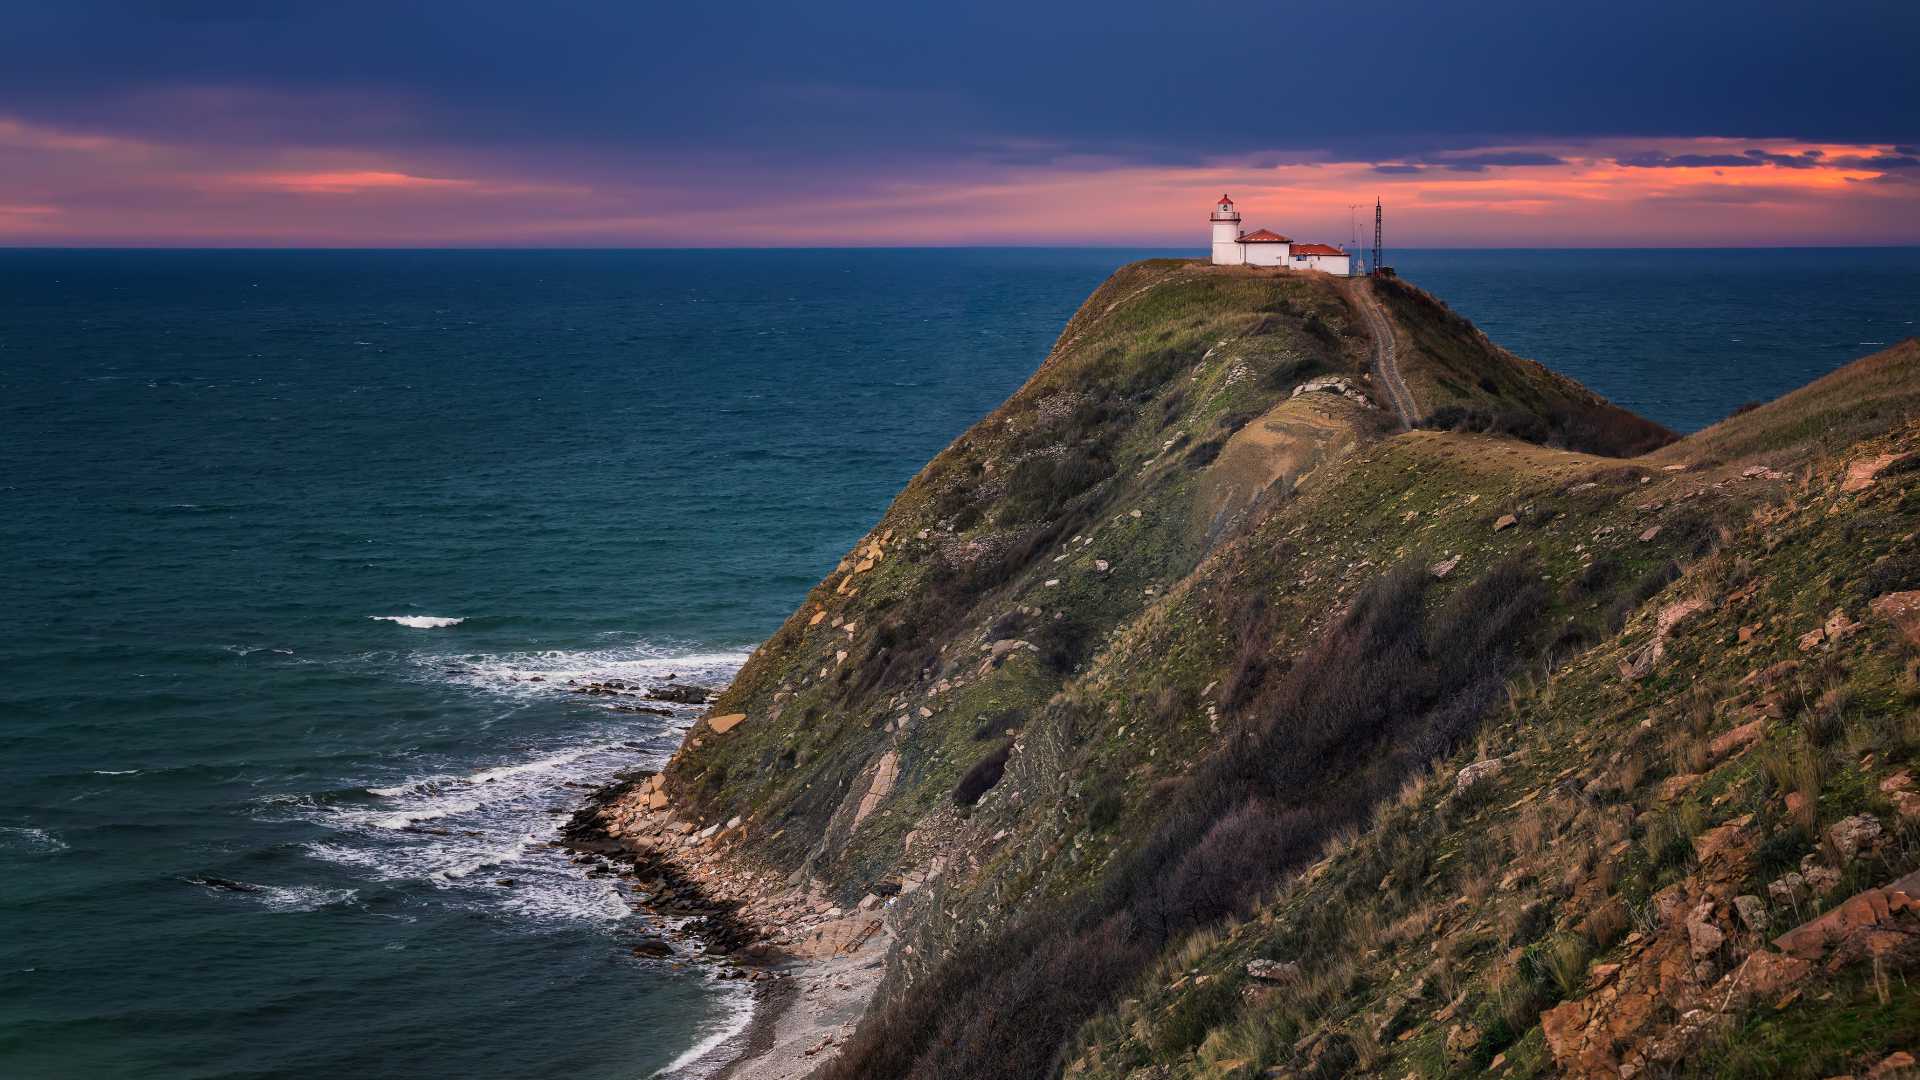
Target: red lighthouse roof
1226, 201
1262, 236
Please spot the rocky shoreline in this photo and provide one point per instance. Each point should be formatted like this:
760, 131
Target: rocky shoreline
814, 966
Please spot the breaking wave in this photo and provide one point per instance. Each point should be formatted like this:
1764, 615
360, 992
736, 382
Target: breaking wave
419, 622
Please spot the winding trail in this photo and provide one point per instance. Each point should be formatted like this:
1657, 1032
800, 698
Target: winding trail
1385, 368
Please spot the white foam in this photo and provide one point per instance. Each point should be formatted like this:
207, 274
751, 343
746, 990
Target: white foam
26, 838
301, 897
115, 772
463, 826
525, 674
419, 622
736, 1014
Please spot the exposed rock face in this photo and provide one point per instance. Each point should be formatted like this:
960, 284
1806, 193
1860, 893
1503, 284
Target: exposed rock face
1902, 609
881, 785
1870, 923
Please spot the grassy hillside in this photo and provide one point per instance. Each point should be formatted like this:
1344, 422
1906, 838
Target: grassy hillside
1150, 698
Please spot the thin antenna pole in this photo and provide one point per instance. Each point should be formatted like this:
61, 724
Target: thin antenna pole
1353, 223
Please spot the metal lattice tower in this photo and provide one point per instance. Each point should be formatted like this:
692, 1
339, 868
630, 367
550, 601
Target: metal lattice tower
1377, 264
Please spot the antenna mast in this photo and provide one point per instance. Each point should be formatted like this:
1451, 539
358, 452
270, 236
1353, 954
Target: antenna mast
1379, 267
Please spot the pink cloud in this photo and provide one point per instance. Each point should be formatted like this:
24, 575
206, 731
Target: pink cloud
87, 188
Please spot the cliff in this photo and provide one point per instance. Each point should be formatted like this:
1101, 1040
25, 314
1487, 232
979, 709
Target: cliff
1190, 716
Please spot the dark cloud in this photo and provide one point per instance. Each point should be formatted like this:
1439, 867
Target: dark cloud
1654, 159
1398, 170
844, 82
1881, 162
1805, 160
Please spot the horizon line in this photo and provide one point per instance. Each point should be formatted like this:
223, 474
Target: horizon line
1200, 252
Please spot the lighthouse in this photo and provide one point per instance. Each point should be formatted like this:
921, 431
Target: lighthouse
1226, 235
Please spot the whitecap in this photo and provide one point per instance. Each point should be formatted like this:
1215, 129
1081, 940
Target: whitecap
27, 838
115, 772
419, 622
301, 897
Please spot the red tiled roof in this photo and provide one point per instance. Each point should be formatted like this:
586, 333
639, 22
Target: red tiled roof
1316, 249
1262, 236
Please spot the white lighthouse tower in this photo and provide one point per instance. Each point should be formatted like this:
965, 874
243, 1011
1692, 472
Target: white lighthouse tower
1227, 250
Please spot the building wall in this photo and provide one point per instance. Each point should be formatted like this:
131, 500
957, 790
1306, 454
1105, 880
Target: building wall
1227, 249
1267, 254
1341, 265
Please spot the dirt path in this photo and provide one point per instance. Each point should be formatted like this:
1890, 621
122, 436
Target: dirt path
1385, 368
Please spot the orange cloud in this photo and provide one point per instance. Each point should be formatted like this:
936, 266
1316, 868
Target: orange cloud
354, 182
71, 187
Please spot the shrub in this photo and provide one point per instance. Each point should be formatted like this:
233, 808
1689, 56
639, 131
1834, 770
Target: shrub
983, 776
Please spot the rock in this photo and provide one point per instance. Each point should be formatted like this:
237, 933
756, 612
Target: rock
723, 724
884, 775
1902, 609
1648, 536
1753, 912
1505, 521
1812, 639
1771, 674
1738, 739
1676, 786
1723, 843
1444, 567
1480, 770
1273, 971
1838, 626
1672, 615
1852, 835
817, 616
1864, 924
1897, 1064
1787, 888
1704, 938
1861, 474
652, 946
681, 693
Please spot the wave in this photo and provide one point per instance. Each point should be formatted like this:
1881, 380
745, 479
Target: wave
278, 897
420, 622
116, 772
700, 1059
29, 839
551, 671
483, 833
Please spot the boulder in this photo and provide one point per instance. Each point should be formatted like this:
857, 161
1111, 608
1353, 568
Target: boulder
723, 724
1866, 923
1851, 836
1738, 739
1467, 777
1505, 521
1753, 912
1902, 609
1861, 473
1273, 971
1444, 567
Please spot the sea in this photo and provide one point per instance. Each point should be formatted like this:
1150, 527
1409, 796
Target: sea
305, 557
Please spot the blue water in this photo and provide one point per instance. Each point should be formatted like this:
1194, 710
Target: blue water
218, 470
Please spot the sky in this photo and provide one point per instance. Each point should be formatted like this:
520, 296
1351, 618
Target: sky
626, 123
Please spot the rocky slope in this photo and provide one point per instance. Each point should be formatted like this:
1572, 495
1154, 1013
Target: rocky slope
1187, 716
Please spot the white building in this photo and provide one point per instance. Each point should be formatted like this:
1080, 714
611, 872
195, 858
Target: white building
1231, 247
